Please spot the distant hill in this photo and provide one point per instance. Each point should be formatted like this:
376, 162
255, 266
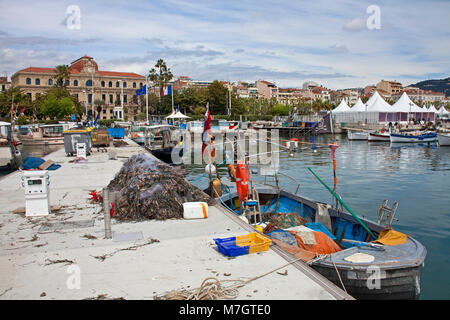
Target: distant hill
439, 85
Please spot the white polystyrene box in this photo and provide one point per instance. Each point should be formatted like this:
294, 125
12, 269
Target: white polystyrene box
195, 210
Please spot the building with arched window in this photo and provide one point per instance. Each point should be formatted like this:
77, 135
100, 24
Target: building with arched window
89, 84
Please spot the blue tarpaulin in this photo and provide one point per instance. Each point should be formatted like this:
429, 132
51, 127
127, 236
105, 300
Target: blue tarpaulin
34, 163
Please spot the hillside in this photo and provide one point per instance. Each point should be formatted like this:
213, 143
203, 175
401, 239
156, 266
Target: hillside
439, 85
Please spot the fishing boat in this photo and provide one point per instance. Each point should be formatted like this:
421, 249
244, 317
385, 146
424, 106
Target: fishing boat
137, 134
359, 263
444, 139
10, 157
164, 141
368, 259
414, 137
50, 134
378, 136
357, 134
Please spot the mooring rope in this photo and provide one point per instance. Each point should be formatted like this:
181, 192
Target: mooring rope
212, 288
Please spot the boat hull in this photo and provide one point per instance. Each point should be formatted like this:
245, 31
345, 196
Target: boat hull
444, 139
378, 137
396, 284
400, 138
166, 154
357, 135
139, 140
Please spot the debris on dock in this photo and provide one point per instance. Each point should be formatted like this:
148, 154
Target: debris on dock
151, 189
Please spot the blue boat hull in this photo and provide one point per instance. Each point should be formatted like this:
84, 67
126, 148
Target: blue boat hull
400, 138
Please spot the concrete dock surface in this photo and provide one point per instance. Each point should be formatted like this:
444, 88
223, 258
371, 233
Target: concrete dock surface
65, 255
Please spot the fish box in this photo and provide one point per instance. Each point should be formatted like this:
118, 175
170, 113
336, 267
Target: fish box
240, 245
195, 210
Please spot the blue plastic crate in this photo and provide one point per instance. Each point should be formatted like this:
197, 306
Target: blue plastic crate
317, 226
228, 247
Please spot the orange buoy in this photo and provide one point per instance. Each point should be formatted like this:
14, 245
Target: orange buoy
241, 181
232, 172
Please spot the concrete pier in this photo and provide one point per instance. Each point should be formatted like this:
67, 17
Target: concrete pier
60, 256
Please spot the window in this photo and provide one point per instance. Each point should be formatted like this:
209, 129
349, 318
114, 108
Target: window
140, 85
110, 98
124, 98
28, 81
117, 84
104, 111
89, 83
90, 98
103, 84
75, 83
110, 84
103, 97
124, 84
134, 84
76, 96
29, 96
118, 99
67, 83
37, 81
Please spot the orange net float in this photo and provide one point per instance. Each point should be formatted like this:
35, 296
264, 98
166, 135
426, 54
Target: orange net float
241, 181
232, 172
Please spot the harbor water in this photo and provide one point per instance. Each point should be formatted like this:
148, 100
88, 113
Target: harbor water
417, 176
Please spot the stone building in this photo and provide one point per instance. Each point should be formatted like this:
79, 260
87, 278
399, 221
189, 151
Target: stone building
88, 84
391, 87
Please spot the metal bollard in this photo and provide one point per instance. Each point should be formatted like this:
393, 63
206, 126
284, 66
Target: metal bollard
107, 216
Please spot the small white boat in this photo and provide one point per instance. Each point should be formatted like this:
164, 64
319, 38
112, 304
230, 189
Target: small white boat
444, 139
379, 136
357, 134
414, 137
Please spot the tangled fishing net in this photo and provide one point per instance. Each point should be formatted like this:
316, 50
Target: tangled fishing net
151, 189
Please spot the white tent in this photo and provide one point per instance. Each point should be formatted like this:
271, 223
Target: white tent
342, 107
442, 111
359, 106
404, 104
373, 98
432, 109
177, 115
378, 105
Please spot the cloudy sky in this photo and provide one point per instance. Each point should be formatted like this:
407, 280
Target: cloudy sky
287, 42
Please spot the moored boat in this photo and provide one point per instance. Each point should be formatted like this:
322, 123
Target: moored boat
379, 136
414, 137
366, 270
444, 139
10, 157
357, 134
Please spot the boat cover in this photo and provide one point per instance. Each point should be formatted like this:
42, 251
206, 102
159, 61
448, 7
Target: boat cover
391, 237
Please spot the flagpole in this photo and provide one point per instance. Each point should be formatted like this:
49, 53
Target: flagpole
172, 96
146, 96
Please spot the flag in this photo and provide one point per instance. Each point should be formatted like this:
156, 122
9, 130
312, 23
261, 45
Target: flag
206, 129
96, 119
167, 91
74, 118
21, 112
141, 91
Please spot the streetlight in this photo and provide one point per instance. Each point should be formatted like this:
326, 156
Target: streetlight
146, 96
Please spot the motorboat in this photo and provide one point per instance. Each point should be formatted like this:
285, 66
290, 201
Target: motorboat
413, 137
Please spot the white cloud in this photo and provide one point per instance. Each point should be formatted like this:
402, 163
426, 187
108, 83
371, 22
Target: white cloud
356, 24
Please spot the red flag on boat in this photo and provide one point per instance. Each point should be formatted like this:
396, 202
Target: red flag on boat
206, 129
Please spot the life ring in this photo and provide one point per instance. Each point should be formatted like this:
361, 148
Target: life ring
241, 181
232, 172
382, 130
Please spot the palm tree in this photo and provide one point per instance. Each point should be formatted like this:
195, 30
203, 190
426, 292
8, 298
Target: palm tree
161, 75
62, 73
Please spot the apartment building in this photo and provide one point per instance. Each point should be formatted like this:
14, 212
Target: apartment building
391, 87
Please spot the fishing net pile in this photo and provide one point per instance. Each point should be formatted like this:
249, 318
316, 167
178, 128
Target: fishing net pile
151, 189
